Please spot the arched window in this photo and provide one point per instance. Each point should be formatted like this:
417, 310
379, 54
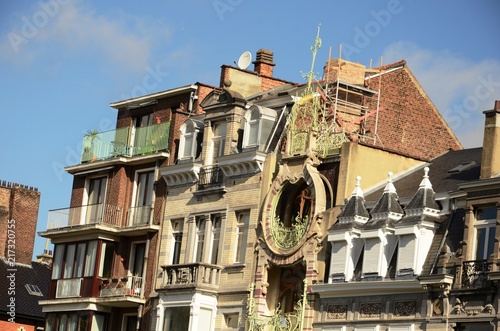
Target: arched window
191, 137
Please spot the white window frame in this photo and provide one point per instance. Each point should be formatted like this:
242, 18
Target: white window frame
218, 140
177, 226
487, 224
210, 235
252, 123
264, 115
124, 319
189, 129
241, 240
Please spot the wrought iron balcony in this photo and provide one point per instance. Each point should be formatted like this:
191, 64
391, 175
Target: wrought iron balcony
108, 144
122, 286
210, 176
85, 215
191, 275
475, 274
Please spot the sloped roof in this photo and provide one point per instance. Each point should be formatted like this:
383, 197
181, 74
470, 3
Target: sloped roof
26, 304
440, 176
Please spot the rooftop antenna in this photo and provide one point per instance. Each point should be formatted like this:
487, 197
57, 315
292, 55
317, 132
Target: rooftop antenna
244, 60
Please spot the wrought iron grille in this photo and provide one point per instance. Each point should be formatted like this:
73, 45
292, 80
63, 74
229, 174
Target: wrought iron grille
475, 273
209, 177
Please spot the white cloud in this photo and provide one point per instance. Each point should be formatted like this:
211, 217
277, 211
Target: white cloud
70, 27
460, 88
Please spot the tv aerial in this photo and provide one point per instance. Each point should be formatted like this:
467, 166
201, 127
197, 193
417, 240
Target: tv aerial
244, 60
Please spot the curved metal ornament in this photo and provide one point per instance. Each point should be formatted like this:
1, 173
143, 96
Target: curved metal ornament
279, 321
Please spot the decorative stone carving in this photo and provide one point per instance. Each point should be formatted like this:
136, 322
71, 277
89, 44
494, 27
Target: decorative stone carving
370, 309
405, 308
336, 312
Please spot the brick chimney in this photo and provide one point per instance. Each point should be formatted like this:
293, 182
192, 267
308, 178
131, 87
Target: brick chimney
346, 71
263, 64
490, 161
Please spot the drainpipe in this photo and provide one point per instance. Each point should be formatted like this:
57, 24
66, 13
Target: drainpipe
148, 242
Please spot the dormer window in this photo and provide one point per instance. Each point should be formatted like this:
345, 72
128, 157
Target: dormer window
191, 137
259, 122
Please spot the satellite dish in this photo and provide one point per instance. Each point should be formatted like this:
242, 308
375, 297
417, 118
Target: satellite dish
244, 60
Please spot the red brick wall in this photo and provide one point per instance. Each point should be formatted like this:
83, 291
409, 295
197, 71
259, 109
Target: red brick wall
408, 122
19, 203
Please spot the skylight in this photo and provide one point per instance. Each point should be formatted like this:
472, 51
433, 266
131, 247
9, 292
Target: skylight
34, 290
462, 167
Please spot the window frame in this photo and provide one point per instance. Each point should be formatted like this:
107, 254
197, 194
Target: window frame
241, 239
489, 226
208, 238
191, 129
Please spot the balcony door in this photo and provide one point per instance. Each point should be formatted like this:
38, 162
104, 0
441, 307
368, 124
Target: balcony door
140, 133
136, 270
95, 200
140, 212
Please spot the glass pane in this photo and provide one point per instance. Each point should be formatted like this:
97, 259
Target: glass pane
80, 259
480, 244
90, 258
107, 254
138, 259
177, 248
57, 263
62, 322
216, 222
188, 146
144, 192
489, 213
70, 261
98, 322
72, 322
176, 319
491, 241
200, 233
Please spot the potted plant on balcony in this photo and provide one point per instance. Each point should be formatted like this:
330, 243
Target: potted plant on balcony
88, 151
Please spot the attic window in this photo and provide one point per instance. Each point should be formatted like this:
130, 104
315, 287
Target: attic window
34, 290
462, 167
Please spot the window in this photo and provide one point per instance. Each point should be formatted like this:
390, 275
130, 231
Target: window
129, 322
485, 232
67, 321
95, 201
176, 319
219, 139
231, 320
176, 240
74, 260
214, 255
253, 128
140, 213
137, 258
106, 263
191, 139
33, 290
200, 238
207, 239
242, 219
259, 122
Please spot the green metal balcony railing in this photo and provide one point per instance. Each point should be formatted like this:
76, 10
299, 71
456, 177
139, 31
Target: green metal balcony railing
125, 142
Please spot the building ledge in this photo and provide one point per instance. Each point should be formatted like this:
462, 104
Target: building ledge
181, 174
362, 288
240, 164
107, 164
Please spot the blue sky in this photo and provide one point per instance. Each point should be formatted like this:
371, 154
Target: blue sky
63, 61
